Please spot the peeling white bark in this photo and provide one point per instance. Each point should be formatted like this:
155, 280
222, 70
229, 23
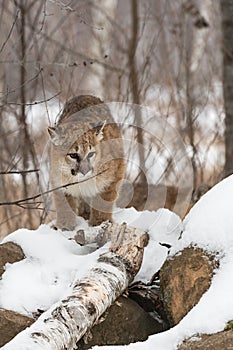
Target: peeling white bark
65, 323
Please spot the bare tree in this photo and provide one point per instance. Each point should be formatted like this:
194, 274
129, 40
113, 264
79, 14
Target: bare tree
227, 46
154, 53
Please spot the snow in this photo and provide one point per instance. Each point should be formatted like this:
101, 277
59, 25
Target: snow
54, 260
210, 222
52, 263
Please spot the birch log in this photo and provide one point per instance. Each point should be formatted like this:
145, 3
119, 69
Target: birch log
65, 323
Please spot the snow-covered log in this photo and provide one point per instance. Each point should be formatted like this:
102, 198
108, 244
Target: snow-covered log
66, 322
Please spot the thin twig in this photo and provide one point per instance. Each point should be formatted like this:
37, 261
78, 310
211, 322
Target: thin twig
10, 218
26, 82
19, 171
33, 103
21, 202
10, 31
44, 95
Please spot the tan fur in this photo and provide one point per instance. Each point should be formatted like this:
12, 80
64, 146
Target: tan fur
86, 147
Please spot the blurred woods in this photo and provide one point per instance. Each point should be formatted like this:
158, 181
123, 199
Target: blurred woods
163, 54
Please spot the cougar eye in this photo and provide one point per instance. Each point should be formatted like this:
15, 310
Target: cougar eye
91, 154
73, 155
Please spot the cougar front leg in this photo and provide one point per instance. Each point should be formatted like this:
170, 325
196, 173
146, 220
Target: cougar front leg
79, 206
102, 206
66, 218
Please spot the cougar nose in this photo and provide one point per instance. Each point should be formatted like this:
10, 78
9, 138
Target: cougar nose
84, 167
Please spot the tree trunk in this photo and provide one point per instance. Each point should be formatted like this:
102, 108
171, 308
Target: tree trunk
134, 82
227, 32
65, 323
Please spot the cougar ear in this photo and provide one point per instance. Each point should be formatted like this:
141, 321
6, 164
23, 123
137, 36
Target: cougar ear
51, 131
98, 126
55, 134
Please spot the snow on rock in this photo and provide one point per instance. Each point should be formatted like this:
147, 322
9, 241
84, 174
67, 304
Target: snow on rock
210, 222
54, 260
209, 225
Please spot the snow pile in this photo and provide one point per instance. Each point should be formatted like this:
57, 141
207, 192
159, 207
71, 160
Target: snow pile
54, 260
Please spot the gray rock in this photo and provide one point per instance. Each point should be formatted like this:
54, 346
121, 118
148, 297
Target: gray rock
11, 323
184, 278
123, 323
9, 253
219, 341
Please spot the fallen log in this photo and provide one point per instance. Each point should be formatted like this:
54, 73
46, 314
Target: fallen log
66, 322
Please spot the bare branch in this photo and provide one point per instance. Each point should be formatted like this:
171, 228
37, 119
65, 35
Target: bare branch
19, 171
33, 103
6, 93
21, 202
10, 32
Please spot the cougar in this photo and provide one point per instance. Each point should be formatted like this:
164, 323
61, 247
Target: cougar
86, 162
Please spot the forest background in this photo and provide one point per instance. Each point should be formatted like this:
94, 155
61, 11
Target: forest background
172, 56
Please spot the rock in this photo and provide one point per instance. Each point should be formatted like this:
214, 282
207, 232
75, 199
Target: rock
123, 323
149, 298
219, 341
11, 323
9, 253
183, 280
